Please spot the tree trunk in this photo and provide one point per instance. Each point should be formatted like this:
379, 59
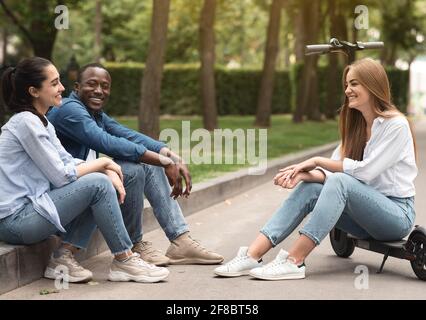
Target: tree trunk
300, 36
149, 107
98, 30
333, 62
3, 62
207, 55
3, 49
43, 32
342, 29
392, 55
311, 98
263, 114
43, 48
352, 53
307, 92
242, 33
286, 53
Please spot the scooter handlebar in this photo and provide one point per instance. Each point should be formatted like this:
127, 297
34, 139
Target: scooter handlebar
318, 48
341, 46
373, 45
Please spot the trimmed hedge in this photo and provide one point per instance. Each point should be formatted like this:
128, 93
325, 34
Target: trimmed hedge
398, 80
399, 84
236, 89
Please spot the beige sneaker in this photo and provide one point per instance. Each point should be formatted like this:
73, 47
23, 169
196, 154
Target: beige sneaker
135, 269
185, 250
149, 254
58, 268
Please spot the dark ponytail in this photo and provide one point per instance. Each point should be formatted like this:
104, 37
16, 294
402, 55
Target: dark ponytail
15, 84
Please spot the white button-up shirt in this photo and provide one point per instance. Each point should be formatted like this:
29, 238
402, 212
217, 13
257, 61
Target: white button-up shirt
389, 163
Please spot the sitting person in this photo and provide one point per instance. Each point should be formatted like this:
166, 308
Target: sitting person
366, 188
86, 130
45, 191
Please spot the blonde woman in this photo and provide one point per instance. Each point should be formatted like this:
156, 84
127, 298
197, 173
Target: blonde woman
366, 188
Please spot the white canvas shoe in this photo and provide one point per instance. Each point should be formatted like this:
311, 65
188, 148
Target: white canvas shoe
239, 266
279, 269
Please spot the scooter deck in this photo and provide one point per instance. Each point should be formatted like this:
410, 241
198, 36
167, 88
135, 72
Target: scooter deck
398, 244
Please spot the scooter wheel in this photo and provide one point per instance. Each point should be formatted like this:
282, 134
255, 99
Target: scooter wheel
417, 241
342, 245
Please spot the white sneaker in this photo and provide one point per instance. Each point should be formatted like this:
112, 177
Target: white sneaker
239, 266
279, 269
136, 269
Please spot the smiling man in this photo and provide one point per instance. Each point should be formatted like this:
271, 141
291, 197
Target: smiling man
85, 130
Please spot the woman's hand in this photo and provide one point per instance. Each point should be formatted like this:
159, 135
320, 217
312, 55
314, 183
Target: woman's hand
118, 184
282, 179
112, 166
304, 166
98, 165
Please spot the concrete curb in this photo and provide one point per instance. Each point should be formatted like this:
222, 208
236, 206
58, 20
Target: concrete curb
20, 265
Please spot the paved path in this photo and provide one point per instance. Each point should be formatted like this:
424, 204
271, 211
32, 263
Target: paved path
226, 226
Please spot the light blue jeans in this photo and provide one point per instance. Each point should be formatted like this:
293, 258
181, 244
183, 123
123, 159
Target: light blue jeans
139, 178
89, 198
343, 202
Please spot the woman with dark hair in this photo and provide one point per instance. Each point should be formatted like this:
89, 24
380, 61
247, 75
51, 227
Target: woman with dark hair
366, 188
43, 190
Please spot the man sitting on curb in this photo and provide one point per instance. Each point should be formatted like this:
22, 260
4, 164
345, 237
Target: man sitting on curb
85, 130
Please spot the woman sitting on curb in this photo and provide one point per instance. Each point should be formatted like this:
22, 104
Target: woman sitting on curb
44, 190
365, 189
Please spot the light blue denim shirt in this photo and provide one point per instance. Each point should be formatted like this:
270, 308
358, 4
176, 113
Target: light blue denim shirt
32, 162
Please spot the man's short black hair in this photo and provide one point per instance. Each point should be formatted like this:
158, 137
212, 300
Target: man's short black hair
87, 66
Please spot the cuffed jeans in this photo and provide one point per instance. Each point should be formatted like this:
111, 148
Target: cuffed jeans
138, 179
91, 198
345, 203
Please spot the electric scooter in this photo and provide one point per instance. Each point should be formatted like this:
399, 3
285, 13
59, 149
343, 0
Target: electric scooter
412, 249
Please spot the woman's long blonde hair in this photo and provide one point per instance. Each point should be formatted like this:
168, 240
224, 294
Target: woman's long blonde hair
353, 127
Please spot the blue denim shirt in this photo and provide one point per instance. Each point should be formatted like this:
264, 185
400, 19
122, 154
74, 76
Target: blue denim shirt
79, 131
32, 161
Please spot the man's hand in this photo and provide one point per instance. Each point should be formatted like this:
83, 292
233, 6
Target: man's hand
118, 185
174, 167
175, 180
183, 170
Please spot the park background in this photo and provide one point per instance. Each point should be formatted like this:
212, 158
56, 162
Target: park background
223, 64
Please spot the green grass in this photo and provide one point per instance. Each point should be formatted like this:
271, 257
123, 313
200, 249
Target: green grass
283, 137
